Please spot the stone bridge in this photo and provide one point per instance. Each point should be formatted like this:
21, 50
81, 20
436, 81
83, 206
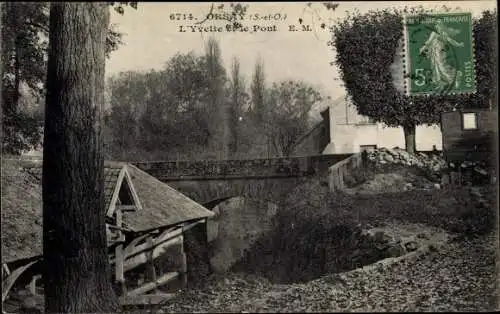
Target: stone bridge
212, 181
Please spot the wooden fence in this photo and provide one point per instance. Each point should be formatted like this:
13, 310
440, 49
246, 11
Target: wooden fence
340, 170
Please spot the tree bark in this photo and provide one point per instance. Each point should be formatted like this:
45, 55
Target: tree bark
17, 76
409, 132
76, 269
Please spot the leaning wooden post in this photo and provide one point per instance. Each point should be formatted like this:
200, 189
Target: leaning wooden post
119, 273
183, 270
32, 284
5, 271
120, 257
151, 265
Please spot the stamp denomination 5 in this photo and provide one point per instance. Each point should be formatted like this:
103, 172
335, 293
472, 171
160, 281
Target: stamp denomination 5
440, 58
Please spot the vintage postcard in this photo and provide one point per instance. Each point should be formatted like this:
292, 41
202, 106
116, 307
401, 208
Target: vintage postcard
250, 156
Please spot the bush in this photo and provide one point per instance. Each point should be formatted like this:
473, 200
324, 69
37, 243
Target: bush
313, 234
316, 232
359, 176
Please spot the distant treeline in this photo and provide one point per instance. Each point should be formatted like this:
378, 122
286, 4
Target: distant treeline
193, 108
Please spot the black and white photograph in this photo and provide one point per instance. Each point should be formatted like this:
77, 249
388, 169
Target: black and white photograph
244, 157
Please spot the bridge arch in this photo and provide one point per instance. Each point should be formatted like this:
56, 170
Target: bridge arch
212, 192
207, 181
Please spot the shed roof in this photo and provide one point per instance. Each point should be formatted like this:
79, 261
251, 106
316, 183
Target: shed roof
111, 175
22, 217
162, 204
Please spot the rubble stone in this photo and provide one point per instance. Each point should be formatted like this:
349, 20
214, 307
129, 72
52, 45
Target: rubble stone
411, 246
408, 186
433, 164
395, 250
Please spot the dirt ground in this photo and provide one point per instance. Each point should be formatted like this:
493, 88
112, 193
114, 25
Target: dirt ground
456, 272
457, 277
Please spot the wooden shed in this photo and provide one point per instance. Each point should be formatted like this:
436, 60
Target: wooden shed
468, 134
145, 219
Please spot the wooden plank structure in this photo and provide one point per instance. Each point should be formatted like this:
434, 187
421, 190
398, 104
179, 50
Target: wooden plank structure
144, 218
473, 142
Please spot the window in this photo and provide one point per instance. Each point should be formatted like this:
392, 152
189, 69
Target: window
368, 148
365, 120
469, 121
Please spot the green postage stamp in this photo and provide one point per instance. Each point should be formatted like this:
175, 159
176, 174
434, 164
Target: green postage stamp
439, 54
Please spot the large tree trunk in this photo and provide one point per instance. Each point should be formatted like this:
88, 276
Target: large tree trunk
17, 76
77, 272
409, 132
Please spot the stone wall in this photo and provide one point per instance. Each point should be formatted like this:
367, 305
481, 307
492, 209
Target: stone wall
239, 169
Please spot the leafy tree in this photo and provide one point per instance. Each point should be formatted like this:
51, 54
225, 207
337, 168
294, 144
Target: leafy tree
237, 100
486, 53
160, 111
287, 113
77, 271
218, 112
159, 124
24, 33
187, 80
258, 90
366, 47
25, 30
127, 90
188, 85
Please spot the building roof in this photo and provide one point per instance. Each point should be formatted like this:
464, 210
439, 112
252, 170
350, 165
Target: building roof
160, 205
307, 134
111, 175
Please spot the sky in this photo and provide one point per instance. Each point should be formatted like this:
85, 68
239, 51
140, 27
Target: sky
151, 37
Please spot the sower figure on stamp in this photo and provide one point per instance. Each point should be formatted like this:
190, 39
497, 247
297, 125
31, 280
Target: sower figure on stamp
443, 74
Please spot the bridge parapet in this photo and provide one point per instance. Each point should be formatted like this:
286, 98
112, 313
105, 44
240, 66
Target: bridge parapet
240, 168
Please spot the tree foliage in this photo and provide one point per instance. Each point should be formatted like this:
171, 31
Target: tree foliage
159, 111
181, 110
238, 98
217, 79
485, 32
366, 47
24, 45
258, 90
25, 32
287, 112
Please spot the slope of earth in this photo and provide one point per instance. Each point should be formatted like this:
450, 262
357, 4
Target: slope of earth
457, 277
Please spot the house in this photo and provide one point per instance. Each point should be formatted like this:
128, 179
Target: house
349, 132
145, 218
468, 134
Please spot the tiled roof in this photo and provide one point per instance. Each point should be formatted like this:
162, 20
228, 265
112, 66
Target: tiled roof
111, 173
162, 205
